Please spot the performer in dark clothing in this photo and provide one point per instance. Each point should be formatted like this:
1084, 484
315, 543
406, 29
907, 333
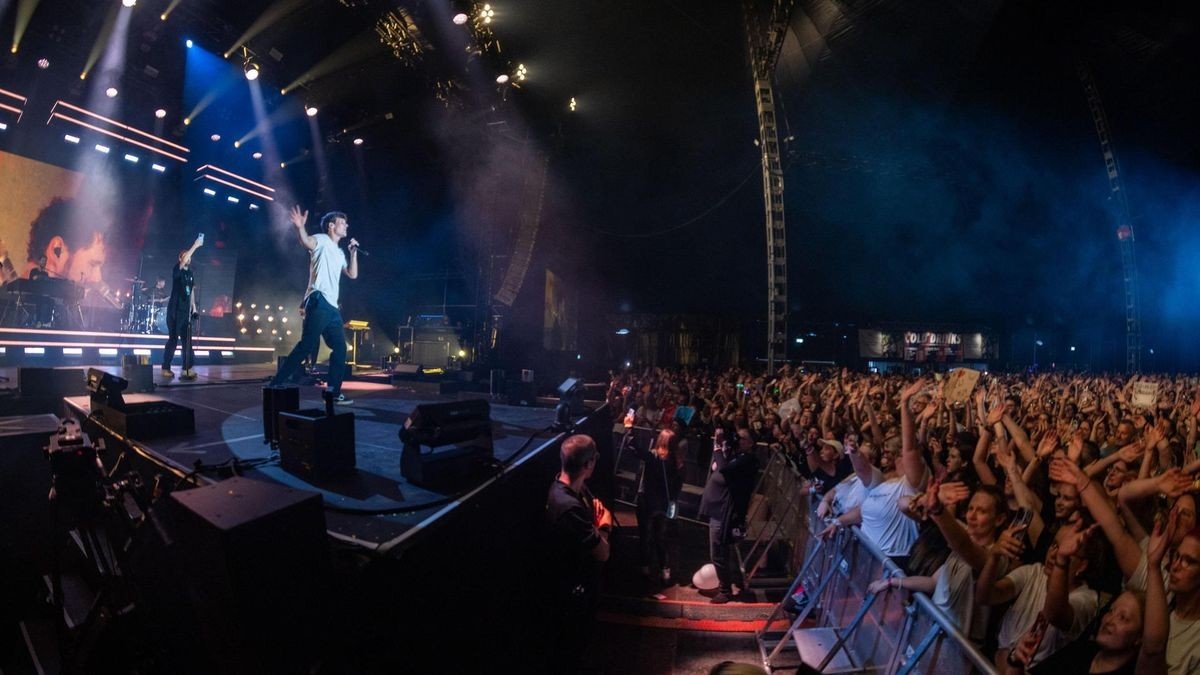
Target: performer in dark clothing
181, 311
578, 526
725, 501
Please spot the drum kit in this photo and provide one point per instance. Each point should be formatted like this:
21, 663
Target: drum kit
146, 311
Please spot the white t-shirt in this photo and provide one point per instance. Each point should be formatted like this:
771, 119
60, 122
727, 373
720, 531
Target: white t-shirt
848, 494
326, 262
1030, 582
954, 594
1183, 646
883, 523
1137, 581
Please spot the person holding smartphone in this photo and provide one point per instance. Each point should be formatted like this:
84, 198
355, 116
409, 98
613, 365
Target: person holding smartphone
181, 313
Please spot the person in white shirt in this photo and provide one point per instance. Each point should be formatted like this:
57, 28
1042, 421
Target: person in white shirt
322, 319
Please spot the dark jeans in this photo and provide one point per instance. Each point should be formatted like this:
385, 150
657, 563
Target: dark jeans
321, 320
652, 530
179, 329
719, 553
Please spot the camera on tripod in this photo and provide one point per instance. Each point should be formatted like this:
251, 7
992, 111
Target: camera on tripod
77, 476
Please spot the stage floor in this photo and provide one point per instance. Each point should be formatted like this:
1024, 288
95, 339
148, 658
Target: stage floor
376, 508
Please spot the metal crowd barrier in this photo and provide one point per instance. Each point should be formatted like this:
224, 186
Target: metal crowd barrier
776, 517
857, 631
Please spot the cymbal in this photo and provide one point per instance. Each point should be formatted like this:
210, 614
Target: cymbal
136, 280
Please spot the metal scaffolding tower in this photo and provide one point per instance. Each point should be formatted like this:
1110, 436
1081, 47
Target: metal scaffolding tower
766, 26
1120, 206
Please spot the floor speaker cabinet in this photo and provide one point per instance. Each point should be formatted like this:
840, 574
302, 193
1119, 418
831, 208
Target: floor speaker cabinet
445, 443
316, 445
276, 400
441, 468
520, 393
55, 382
256, 561
145, 420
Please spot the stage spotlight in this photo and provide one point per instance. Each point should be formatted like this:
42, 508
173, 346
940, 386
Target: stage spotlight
111, 92
521, 72
573, 105
71, 139
283, 165
237, 144
215, 137
459, 19
210, 192
502, 79
131, 158
283, 320
43, 63
270, 318
160, 113
258, 331
158, 167
243, 330
253, 305
241, 317
358, 141
232, 200
311, 111
255, 317
486, 14
103, 149
281, 308
129, 3
3, 126
187, 121
189, 43
251, 70
257, 155
254, 207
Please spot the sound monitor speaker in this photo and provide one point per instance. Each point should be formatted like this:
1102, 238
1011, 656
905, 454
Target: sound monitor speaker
275, 401
316, 445
256, 561
55, 382
520, 393
458, 436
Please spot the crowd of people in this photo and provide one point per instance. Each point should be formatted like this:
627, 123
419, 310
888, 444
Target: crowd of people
1052, 517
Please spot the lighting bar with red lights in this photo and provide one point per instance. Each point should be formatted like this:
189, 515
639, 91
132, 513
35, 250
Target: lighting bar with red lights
115, 135
119, 125
234, 175
235, 186
22, 99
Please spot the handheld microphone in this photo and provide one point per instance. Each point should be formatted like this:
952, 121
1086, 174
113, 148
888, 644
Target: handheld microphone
359, 249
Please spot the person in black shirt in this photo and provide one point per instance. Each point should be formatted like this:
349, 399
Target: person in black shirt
181, 311
725, 501
578, 526
662, 479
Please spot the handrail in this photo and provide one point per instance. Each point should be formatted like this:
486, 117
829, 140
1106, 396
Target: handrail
944, 623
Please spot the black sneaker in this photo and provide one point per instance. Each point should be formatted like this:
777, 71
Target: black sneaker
341, 399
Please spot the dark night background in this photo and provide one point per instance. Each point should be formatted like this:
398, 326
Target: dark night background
943, 165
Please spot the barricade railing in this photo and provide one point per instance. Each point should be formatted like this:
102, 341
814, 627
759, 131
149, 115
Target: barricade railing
775, 517
856, 630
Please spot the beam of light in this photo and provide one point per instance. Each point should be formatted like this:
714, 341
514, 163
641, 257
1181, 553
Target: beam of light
234, 175
276, 12
263, 126
170, 8
324, 185
235, 186
103, 40
210, 96
282, 233
117, 136
361, 47
25, 9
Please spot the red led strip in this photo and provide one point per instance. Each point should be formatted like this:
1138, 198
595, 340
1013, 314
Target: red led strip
117, 136
118, 124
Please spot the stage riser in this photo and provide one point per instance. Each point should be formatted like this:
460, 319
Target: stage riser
25, 347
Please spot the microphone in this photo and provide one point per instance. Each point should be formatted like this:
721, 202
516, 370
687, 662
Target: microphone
358, 248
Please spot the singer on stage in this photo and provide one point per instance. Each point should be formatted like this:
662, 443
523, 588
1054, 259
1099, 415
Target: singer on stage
321, 316
181, 312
